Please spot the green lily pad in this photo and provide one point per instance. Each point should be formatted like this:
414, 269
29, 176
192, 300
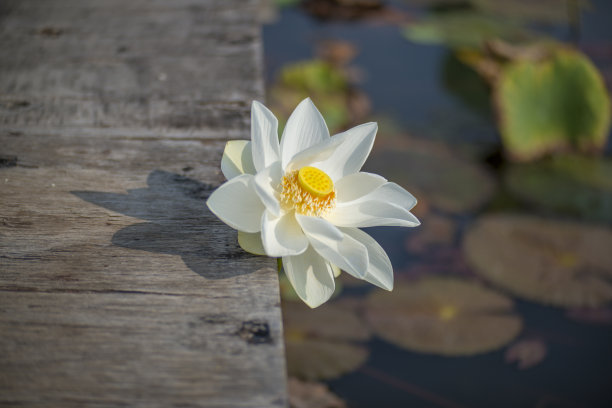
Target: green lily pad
464, 29
313, 76
442, 179
573, 185
548, 11
323, 343
557, 263
443, 316
327, 85
557, 104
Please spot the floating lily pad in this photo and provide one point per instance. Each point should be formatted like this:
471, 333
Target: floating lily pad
316, 359
526, 353
443, 316
443, 260
558, 104
548, 11
324, 83
556, 263
304, 394
331, 321
435, 231
464, 29
323, 343
327, 85
313, 76
574, 185
442, 179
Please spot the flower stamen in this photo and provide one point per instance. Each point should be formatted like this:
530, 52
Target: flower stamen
309, 191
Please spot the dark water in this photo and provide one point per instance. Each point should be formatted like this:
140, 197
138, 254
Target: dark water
406, 81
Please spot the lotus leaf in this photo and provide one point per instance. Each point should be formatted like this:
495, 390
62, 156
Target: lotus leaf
564, 264
325, 83
444, 316
553, 105
464, 29
303, 394
323, 343
526, 353
313, 76
549, 11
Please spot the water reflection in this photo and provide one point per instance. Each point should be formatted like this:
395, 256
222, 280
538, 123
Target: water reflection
500, 127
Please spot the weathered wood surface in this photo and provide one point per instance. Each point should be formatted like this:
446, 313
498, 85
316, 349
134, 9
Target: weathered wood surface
117, 286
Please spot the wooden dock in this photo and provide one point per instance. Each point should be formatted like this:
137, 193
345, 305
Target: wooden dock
118, 288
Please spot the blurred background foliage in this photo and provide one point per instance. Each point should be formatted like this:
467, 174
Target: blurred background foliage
496, 115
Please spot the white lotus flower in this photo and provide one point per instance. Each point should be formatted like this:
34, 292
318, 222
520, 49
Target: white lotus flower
304, 199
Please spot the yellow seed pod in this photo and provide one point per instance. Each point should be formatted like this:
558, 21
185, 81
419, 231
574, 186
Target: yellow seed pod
447, 312
315, 181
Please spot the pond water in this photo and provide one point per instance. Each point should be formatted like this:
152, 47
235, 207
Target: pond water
502, 295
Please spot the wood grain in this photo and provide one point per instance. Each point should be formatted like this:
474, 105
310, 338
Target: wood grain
118, 288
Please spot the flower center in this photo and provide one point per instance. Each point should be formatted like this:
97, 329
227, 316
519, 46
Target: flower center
315, 181
309, 191
447, 312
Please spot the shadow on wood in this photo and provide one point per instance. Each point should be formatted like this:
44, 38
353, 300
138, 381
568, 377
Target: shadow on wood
180, 223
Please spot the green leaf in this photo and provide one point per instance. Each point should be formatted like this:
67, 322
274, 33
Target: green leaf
464, 29
548, 11
324, 83
545, 11
552, 105
313, 76
573, 185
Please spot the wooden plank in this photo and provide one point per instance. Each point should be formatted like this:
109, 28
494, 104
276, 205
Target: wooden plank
187, 65
117, 286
